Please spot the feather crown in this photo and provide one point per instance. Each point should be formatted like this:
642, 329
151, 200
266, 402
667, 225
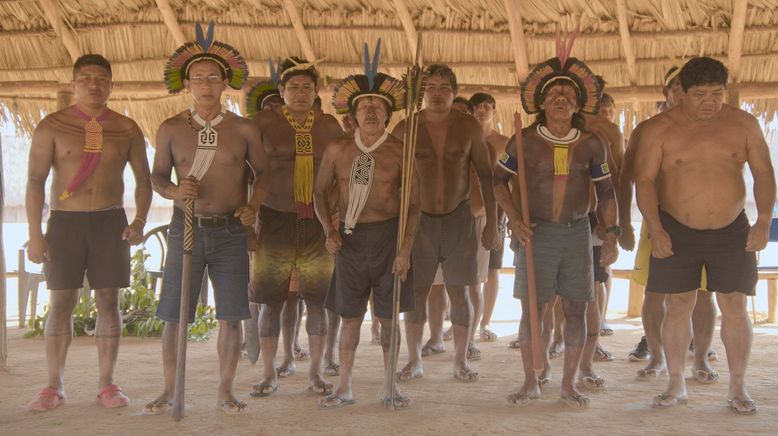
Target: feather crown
372, 83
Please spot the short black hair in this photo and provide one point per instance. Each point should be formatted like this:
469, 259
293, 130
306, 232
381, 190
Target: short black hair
92, 59
480, 97
292, 61
703, 71
464, 101
607, 99
444, 70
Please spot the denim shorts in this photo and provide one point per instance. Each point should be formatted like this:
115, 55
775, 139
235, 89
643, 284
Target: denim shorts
224, 251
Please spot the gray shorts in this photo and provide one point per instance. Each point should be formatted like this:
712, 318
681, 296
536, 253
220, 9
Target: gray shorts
450, 241
563, 262
223, 249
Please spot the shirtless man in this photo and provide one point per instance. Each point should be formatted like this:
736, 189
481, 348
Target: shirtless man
653, 311
221, 216
562, 160
448, 143
290, 236
87, 229
691, 192
484, 107
366, 256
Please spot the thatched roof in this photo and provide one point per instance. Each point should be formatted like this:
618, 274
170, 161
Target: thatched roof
39, 39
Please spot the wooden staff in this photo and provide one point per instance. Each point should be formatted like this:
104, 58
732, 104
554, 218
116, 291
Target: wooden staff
183, 317
413, 90
534, 322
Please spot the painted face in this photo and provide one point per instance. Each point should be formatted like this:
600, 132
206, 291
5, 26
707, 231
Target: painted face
703, 102
608, 110
299, 92
561, 101
371, 114
673, 94
92, 85
205, 82
484, 112
438, 94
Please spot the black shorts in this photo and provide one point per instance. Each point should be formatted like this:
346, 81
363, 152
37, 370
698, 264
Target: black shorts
600, 273
88, 242
729, 267
287, 243
364, 263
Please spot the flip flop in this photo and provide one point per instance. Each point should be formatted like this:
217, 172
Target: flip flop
408, 373
576, 400
334, 401
321, 389
602, 355
301, 354
265, 388
466, 375
606, 331
487, 335
675, 401
286, 371
648, 373
473, 353
232, 407
544, 381
429, 350
556, 350
595, 382
712, 356
332, 369
157, 407
520, 398
749, 404
400, 401
448, 334
514, 344
47, 399
706, 377
112, 397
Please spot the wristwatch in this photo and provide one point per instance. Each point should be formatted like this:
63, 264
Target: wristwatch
616, 230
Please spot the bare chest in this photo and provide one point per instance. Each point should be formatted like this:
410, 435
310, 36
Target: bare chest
231, 148
709, 147
70, 140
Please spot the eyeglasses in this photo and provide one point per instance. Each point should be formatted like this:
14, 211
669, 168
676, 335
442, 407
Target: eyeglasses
202, 80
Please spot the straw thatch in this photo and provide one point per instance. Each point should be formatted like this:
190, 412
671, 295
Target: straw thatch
473, 36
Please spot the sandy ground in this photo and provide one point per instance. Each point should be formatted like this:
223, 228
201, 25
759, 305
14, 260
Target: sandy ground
441, 405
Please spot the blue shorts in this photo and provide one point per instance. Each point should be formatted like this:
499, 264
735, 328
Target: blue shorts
223, 249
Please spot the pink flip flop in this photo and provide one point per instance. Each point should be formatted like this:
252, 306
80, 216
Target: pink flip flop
48, 399
111, 397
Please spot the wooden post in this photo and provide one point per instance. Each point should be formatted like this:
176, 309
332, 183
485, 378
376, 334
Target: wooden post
635, 304
772, 299
3, 329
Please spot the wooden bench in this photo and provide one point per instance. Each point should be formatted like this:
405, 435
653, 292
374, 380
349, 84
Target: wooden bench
635, 302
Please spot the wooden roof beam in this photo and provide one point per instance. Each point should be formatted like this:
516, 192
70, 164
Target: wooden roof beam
169, 17
410, 29
299, 30
736, 32
516, 28
626, 42
51, 11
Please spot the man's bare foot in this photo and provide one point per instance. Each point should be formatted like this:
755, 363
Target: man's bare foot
286, 369
410, 372
648, 373
574, 399
556, 349
742, 406
317, 385
265, 388
523, 396
465, 374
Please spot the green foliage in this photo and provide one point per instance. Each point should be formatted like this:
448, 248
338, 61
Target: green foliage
138, 307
